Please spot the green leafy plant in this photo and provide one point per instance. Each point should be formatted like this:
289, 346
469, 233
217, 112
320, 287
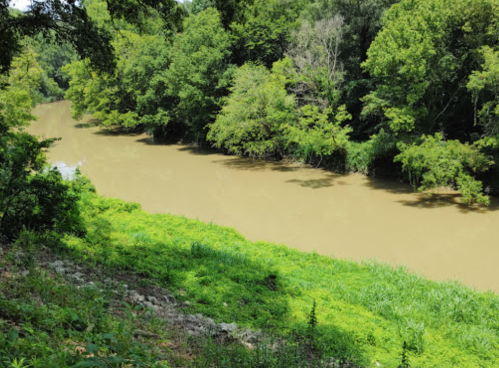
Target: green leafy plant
437, 163
405, 358
312, 324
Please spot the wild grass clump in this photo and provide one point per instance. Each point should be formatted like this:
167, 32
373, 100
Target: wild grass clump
364, 311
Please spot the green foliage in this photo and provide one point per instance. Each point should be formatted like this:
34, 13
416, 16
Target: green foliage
253, 118
200, 72
168, 87
52, 58
116, 349
198, 6
55, 324
133, 94
365, 311
312, 322
230, 10
422, 58
318, 133
17, 92
361, 22
265, 31
435, 163
317, 71
70, 22
405, 359
363, 157
484, 85
30, 196
268, 354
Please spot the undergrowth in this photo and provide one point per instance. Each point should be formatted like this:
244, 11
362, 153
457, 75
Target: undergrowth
46, 321
364, 311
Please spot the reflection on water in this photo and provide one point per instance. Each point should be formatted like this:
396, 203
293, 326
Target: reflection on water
349, 216
68, 172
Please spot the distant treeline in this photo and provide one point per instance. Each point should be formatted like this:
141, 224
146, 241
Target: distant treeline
401, 88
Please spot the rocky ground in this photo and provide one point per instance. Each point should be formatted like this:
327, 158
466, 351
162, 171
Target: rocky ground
160, 301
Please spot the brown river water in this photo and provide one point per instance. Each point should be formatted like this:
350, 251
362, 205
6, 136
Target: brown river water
347, 216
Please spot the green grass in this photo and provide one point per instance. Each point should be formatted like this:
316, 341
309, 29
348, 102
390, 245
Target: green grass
48, 323
365, 311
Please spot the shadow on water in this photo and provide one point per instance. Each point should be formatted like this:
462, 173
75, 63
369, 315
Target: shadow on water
89, 124
113, 132
330, 180
192, 149
243, 163
426, 200
199, 151
107, 130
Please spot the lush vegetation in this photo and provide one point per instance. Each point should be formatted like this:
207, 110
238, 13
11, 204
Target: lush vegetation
406, 88
331, 77
363, 312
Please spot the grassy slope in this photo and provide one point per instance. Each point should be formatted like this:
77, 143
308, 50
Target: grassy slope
365, 311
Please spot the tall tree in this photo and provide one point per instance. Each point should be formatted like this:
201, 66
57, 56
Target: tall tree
422, 60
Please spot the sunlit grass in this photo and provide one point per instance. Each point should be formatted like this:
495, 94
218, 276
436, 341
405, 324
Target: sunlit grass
365, 310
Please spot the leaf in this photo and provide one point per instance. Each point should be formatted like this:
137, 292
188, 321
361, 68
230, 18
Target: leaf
13, 335
92, 348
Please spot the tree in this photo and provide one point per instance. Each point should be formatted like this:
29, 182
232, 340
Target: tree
362, 20
123, 98
252, 120
423, 58
230, 10
264, 31
318, 133
484, 85
318, 70
32, 196
200, 72
52, 57
432, 163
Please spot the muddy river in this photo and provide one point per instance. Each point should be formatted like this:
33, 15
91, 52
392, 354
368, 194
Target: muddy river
347, 216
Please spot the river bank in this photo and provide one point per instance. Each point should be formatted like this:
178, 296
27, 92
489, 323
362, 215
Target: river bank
365, 311
348, 216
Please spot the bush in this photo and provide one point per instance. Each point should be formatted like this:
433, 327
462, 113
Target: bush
252, 120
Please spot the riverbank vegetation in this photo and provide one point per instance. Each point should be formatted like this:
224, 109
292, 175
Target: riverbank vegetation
382, 86
363, 313
360, 86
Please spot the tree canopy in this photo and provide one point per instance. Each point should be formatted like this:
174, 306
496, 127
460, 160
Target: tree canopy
400, 87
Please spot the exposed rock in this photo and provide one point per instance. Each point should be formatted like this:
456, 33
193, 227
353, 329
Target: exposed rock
210, 322
77, 279
149, 305
24, 273
153, 300
136, 297
170, 299
248, 345
250, 336
56, 264
228, 327
186, 304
